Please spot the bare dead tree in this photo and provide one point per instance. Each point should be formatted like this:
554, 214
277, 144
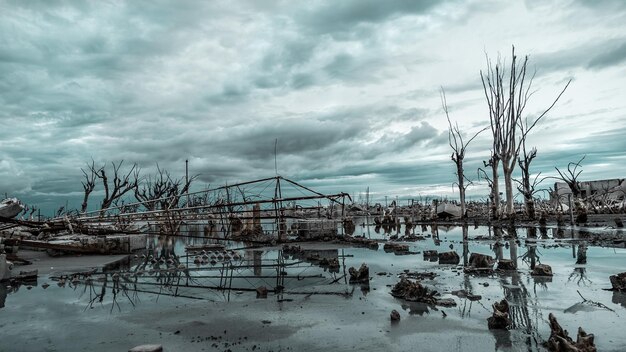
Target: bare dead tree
153, 189
571, 177
123, 182
494, 188
527, 187
455, 139
89, 183
163, 192
506, 104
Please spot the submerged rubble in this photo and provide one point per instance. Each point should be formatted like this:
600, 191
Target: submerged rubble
362, 275
397, 248
560, 341
449, 258
618, 282
394, 316
542, 270
414, 291
500, 318
506, 265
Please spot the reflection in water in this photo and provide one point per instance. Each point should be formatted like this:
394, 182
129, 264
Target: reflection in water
465, 231
168, 269
619, 298
579, 276
417, 308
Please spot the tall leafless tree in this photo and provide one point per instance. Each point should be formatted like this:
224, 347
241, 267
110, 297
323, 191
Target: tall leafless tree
506, 103
89, 183
123, 182
458, 145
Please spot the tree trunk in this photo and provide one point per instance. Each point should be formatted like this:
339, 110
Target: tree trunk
508, 184
83, 206
459, 170
495, 190
529, 202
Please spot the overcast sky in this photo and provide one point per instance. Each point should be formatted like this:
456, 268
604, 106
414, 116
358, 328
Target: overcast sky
349, 88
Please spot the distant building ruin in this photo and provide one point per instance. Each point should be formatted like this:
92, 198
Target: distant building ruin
598, 190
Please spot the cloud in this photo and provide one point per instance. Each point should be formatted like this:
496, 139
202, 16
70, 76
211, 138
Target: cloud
349, 89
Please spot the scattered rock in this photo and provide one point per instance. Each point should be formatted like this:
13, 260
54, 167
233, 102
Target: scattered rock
147, 348
45, 286
395, 316
500, 317
359, 276
618, 282
560, 341
542, 270
506, 264
261, 292
449, 258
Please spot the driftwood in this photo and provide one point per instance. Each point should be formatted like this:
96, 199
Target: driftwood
594, 303
560, 341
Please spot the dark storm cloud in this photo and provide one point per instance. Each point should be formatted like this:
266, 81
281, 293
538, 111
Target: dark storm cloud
592, 55
340, 17
349, 89
610, 57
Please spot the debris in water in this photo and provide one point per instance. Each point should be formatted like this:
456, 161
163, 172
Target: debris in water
359, 276
560, 341
449, 258
618, 282
261, 292
500, 317
542, 270
506, 264
395, 316
413, 291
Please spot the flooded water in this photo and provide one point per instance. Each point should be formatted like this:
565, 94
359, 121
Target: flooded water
208, 301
